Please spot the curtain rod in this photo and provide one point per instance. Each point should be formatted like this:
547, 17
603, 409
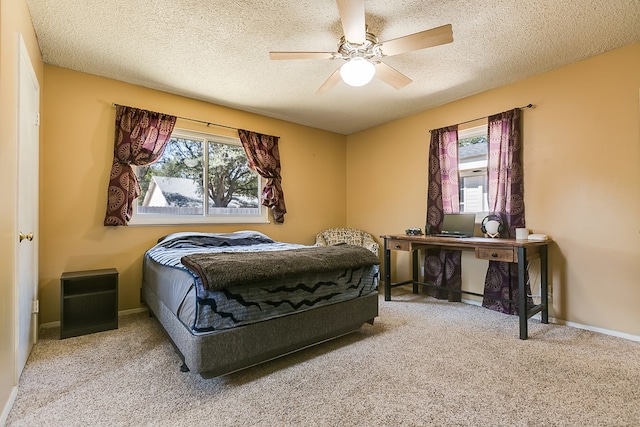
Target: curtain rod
191, 120
480, 118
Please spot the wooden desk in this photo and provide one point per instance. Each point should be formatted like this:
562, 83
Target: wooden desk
506, 250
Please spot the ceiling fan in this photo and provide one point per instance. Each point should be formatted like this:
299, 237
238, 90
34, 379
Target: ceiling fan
363, 52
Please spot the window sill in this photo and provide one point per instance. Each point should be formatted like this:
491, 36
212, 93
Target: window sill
159, 220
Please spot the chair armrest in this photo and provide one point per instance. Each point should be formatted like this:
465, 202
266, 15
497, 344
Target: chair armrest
369, 243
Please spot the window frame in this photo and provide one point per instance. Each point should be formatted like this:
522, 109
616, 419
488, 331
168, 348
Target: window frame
205, 218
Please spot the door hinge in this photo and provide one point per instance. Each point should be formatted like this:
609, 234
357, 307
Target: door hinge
37, 119
35, 309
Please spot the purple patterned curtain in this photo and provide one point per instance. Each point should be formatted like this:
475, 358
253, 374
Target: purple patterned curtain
264, 158
140, 138
506, 199
443, 267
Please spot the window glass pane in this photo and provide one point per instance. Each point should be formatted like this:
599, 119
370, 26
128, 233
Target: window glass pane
232, 188
199, 179
173, 184
472, 162
473, 193
472, 149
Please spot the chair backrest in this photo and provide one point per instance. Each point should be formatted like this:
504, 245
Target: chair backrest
351, 236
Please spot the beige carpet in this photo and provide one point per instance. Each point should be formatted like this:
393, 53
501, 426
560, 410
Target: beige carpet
424, 363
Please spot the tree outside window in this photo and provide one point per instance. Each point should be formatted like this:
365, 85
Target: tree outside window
182, 184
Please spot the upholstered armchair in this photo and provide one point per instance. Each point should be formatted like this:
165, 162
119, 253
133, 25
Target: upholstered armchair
350, 236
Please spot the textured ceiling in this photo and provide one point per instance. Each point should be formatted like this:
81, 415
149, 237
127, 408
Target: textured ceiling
217, 51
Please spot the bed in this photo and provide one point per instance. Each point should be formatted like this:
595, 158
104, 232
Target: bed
232, 300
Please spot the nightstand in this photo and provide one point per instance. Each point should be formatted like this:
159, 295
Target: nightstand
88, 302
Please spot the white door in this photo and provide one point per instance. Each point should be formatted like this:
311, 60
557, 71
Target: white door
27, 213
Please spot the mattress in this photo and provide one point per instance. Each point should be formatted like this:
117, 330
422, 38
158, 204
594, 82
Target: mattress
202, 310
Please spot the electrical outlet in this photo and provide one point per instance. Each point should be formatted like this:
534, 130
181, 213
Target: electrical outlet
35, 306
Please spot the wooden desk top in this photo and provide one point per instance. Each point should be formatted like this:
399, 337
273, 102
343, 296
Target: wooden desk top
466, 241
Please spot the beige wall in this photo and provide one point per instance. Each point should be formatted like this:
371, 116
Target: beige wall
582, 181
78, 121
14, 20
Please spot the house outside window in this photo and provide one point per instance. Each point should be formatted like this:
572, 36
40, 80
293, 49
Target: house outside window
472, 166
200, 178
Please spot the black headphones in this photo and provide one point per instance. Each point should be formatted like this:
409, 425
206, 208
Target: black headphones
491, 217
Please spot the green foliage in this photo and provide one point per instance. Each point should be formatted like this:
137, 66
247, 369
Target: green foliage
473, 140
229, 177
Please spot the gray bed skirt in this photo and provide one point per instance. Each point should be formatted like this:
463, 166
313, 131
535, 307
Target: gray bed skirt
225, 351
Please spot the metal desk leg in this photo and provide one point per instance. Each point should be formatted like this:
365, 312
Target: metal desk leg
415, 270
544, 291
522, 292
387, 272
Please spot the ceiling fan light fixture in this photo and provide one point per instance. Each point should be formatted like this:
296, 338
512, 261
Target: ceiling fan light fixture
357, 72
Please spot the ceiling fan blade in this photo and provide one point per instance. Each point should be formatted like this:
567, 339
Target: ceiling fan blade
352, 17
330, 82
300, 55
416, 41
391, 76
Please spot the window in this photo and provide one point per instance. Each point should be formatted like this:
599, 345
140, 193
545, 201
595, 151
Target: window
472, 164
200, 178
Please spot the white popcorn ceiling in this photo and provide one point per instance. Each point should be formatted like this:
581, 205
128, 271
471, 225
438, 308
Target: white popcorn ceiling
217, 51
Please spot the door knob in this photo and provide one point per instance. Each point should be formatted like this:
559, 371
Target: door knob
28, 236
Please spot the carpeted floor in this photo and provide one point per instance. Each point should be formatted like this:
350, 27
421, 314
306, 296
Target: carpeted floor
423, 363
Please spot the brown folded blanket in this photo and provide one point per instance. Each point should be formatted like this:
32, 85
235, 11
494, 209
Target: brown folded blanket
218, 270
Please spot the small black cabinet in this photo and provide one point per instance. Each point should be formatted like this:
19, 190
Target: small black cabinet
88, 302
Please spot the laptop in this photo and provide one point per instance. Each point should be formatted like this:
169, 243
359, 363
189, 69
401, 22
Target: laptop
458, 225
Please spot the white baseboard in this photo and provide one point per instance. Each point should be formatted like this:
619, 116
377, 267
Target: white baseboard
472, 302
596, 329
574, 324
120, 313
133, 311
8, 405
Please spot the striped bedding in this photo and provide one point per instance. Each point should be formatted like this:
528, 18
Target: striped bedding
203, 311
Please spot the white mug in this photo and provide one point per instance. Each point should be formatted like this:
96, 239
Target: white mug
522, 233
